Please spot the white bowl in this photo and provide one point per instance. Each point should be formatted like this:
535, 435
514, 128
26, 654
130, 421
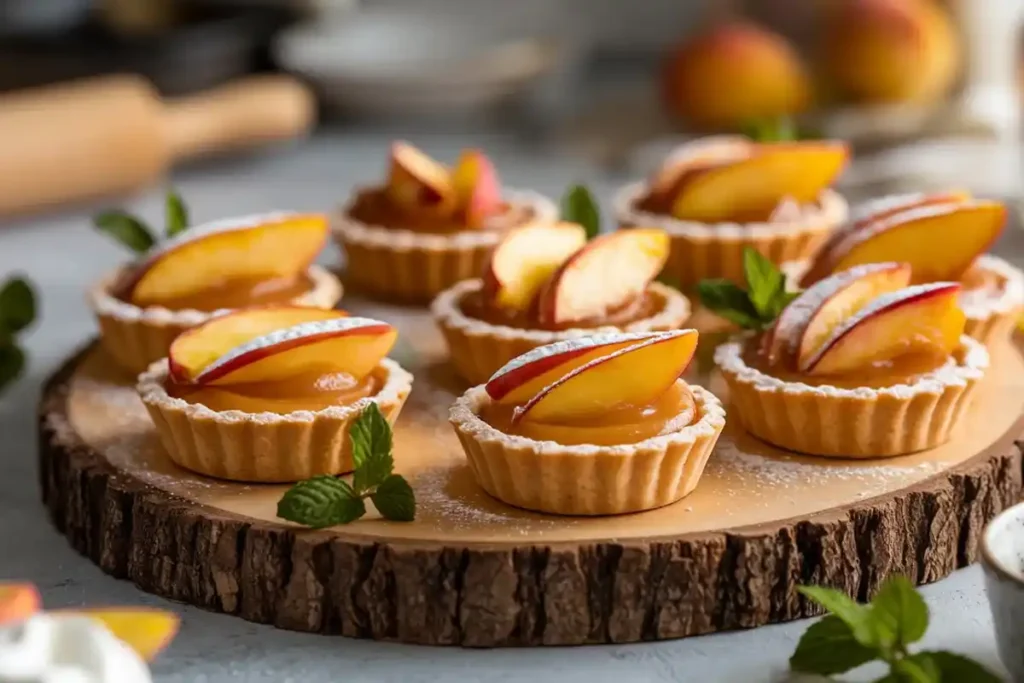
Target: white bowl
414, 62
1002, 556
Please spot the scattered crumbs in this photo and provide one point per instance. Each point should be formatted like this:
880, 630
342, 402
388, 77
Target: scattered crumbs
688, 508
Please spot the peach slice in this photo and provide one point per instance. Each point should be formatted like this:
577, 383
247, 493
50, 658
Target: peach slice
350, 345
750, 189
477, 187
939, 241
606, 273
146, 630
810, 318
634, 376
525, 259
824, 260
18, 601
920, 318
520, 379
689, 159
208, 256
417, 183
196, 348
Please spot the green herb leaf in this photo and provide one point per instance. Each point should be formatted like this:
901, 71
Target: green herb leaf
126, 229
395, 500
321, 502
727, 300
17, 305
779, 129
954, 668
12, 361
828, 647
919, 668
765, 282
858, 617
578, 206
901, 608
176, 213
371, 449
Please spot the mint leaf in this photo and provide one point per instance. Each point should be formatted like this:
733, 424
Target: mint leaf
578, 206
765, 282
321, 502
727, 300
919, 668
12, 361
176, 214
17, 305
395, 500
858, 617
126, 229
901, 608
779, 129
954, 668
371, 449
828, 647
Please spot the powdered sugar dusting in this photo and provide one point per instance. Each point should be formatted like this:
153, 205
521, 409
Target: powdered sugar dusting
1004, 297
307, 329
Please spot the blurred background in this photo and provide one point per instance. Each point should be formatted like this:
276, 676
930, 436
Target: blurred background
928, 91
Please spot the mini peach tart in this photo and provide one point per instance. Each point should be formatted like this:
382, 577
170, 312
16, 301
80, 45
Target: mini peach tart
429, 226
719, 195
546, 283
860, 365
206, 270
269, 394
943, 236
600, 425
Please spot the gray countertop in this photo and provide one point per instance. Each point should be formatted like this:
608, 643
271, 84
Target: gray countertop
62, 255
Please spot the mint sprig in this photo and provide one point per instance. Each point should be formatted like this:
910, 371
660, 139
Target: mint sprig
757, 306
17, 312
853, 635
578, 206
326, 501
134, 233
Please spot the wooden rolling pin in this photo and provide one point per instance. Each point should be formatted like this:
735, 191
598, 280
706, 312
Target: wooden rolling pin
102, 136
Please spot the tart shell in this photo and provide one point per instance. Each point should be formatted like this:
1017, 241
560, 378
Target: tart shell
991, 315
853, 423
587, 480
413, 267
715, 250
263, 447
478, 349
136, 337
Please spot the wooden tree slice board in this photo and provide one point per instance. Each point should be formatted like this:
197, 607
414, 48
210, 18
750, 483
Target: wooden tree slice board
472, 571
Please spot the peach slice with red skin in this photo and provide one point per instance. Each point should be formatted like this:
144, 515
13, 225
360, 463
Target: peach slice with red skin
477, 187
18, 601
351, 345
810, 318
417, 183
144, 629
633, 376
196, 348
268, 247
525, 259
939, 241
523, 377
689, 159
607, 272
750, 189
823, 263
918, 319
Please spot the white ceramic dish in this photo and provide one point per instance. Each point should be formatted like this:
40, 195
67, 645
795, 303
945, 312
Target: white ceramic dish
1002, 556
413, 62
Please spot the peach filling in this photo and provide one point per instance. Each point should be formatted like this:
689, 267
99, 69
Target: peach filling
479, 306
374, 207
669, 412
311, 391
240, 294
904, 369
